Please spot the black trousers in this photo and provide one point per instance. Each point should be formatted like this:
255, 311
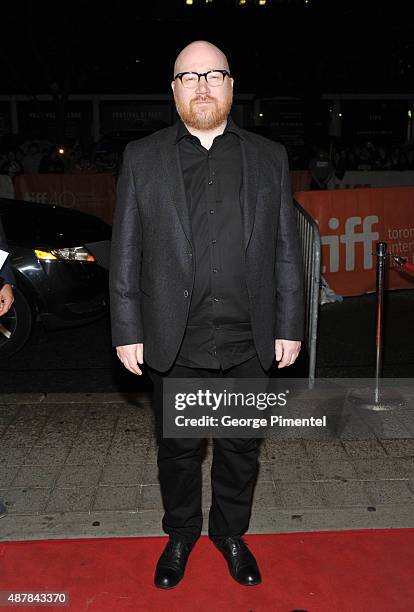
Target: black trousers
233, 472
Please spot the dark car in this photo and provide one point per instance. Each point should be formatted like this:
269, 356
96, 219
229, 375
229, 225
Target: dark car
60, 258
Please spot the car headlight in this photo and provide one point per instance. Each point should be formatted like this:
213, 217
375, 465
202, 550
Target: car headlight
68, 254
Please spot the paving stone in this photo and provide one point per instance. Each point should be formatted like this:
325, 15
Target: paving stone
150, 474
152, 453
36, 476
34, 421
206, 470
15, 437
119, 474
207, 451
68, 415
101, 439
406, 465
119, 454
359, 449
116, 498
43, 455
77, 499
390, 492
285, 449
24, 500
150, 498
79, 476
265, 495
406, 417
19, 398
6, 419
326, 450
86, 455
385, 425
333, 470
107, 419
292, 470
265, 472
57, 439
351, 493
58, 427
130, 439
300, 494
399, 448
14, 455
206, 495
7, 474
352, 427
378, 469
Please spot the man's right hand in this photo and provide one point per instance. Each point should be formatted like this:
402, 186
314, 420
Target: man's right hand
130, 355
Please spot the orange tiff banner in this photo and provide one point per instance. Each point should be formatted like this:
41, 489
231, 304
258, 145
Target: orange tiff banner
350, 223
90, 193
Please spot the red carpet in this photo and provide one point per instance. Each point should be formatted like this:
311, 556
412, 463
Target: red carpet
345, 571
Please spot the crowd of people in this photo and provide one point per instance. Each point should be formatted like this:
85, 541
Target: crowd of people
373, 157
35, 158
330, 165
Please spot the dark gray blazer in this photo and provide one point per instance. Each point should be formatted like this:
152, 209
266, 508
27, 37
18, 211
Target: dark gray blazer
5, 272
152, 265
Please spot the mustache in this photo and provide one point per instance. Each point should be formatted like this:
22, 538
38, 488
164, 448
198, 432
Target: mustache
203, 98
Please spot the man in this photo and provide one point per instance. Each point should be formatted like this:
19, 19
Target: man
321, 170
6, 278
205, 281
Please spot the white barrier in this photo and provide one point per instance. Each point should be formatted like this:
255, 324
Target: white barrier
6, 187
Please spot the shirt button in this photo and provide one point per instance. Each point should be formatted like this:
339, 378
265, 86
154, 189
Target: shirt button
211, 211
210, 182
213, 241
186, 293
215, 270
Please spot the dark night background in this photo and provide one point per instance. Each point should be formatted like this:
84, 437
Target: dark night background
285, 47
309, 51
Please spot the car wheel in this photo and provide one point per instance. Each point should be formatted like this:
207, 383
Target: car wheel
15, 325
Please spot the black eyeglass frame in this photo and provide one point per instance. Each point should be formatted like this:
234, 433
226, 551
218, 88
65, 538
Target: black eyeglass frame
180, 75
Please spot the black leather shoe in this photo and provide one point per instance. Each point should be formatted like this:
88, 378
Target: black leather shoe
242, 564
171, 565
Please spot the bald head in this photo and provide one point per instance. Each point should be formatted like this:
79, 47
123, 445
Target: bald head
198, 54
205, 106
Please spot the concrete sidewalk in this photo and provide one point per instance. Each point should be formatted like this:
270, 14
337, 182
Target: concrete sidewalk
84, 465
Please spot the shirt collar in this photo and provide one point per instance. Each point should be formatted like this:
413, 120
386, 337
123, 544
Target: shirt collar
182, 131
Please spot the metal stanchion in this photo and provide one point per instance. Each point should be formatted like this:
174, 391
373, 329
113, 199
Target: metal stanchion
3, 509
378, 398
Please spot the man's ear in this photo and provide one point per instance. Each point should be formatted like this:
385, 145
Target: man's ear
172, 85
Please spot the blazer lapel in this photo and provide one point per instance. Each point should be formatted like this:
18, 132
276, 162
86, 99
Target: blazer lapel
250, 157
175, 182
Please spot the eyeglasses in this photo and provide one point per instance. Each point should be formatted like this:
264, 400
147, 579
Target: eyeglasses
214, 78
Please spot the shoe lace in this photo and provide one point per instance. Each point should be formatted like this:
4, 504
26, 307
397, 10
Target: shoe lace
175, 548
236, 545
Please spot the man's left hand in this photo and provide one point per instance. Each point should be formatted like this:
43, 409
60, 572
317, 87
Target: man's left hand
6, 298
286, 352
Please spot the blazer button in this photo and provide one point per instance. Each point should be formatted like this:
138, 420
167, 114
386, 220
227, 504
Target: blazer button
186, 293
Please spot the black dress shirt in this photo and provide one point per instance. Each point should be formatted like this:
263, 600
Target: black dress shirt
218, 333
